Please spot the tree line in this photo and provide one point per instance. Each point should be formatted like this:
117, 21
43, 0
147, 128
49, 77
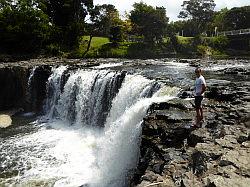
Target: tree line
48, 26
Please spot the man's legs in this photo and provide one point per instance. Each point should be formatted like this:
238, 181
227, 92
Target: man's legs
198, 115
198, 108
201, 113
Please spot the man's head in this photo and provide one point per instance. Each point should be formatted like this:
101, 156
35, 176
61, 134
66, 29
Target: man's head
198, 72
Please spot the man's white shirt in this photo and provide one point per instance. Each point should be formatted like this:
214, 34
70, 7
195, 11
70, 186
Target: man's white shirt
198, 85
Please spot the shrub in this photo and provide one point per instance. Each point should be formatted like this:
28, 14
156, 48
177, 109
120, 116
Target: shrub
53, 49
204, 50
220, 42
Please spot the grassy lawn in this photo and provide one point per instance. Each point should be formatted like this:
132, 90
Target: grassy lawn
184, 40
96, 43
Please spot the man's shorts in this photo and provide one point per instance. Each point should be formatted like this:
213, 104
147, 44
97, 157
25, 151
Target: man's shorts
197, 101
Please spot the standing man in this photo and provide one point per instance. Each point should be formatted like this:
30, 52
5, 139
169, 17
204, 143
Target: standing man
200, 87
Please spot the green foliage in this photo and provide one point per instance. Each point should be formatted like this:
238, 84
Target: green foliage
149, 21
187, 28
116, 34
31, 25
53, 49
104, 17
237, 18
96, 44
110, 50
220, 42
204, 50
68, 16
218, 20
23, 28
199, 11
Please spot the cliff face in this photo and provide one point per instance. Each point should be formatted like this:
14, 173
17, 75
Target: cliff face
13, 82
217, 154
15, 89
19, 90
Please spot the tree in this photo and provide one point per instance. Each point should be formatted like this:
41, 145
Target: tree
68, 16
116, 34
104, 17
149, 22
237, 18
199, 11
218, 19
23, 27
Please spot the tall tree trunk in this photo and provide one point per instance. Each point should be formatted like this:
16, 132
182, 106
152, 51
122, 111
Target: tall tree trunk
89, 43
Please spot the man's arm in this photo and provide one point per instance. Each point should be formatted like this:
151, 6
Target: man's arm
203, 86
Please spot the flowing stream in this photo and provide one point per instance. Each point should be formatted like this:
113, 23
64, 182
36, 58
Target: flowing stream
89, 134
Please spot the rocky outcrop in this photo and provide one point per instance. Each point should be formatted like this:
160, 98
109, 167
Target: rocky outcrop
218, 154
19, 90
13, 82
14, 87
37, 88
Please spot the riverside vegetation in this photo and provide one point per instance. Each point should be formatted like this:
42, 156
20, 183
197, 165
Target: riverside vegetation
80, 29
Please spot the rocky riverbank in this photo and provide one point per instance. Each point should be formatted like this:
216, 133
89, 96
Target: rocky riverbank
172, 153
217, 154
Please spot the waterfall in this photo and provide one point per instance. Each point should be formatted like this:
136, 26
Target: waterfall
54, 90
119, 146
86, 97
29, 87
32, 73
103, 110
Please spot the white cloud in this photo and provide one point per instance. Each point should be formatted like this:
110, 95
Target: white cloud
173, 7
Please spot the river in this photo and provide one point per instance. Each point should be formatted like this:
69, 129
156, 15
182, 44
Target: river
89, 133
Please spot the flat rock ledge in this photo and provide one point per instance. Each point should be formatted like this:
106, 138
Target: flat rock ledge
174, 154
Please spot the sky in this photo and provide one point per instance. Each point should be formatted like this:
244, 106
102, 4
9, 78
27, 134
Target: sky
173, 7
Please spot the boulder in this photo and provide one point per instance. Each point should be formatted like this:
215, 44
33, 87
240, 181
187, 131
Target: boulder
230, 181
228, 141
5, 120
239, 158
198, 136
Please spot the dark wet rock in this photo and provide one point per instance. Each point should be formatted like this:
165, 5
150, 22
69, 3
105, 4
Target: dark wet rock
246, 98
183, 61
185, 94
221, 94
198, 136
38, 88
174, 103
196, 157
13, 82
236, 70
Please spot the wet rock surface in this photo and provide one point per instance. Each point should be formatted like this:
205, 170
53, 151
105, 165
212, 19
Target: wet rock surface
217, 154
171, 152
14, 79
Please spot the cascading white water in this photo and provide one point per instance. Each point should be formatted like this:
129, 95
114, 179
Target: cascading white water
71, 149
119, 147
31, 76
87, 97
29, 85
54, 90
